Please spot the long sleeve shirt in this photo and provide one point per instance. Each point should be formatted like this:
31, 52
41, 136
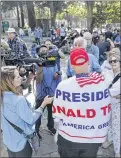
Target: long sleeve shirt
115, 89
93, 50
18, 111
48, 84
16, 46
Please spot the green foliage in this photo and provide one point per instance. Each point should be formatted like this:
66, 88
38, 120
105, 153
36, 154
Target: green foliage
103, 11
60, 16
113, 11
75, 9
106, 12
99, 14
43, 8
43, 13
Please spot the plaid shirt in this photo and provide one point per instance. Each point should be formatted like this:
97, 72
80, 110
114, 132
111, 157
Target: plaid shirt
16, 46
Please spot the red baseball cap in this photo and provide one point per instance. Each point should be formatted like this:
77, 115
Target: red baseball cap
76, 54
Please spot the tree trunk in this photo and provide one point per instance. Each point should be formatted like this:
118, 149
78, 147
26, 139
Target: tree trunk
31, 14
22, 14
38, 17
53, 14
89, 14
18, 17
39, 23
53, 21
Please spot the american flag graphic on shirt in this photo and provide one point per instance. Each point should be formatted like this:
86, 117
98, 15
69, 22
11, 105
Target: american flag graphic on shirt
92, 78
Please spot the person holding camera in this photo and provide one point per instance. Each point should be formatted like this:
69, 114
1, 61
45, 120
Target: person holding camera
46, 83
16, 111
26, 79
58, 54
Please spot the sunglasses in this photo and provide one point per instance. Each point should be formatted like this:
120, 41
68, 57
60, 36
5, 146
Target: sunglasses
113, 61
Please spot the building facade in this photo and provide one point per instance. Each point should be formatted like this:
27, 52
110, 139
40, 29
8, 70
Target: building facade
10, 16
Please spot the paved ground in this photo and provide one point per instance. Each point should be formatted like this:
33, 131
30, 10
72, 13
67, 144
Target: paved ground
48, 146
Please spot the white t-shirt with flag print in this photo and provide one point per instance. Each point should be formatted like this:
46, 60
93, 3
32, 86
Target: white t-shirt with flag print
82, 105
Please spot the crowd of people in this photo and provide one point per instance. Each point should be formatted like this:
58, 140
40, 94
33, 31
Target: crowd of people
86, 105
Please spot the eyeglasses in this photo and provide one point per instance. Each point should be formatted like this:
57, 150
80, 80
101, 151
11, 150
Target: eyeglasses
113, 61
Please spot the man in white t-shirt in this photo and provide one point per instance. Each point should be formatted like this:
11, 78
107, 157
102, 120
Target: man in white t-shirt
62, 32
82, 107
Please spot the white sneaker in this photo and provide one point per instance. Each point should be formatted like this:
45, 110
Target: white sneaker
117, 155
106, 144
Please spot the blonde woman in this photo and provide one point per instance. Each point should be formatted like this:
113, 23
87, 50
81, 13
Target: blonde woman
106, 65
112, 78
17, 110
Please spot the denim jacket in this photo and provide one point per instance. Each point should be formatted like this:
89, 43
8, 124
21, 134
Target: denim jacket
18, 111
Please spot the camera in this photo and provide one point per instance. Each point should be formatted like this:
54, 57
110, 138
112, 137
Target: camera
30, 68
44, 60
28, 62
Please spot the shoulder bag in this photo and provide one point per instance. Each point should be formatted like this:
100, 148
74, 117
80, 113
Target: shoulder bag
33, 138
